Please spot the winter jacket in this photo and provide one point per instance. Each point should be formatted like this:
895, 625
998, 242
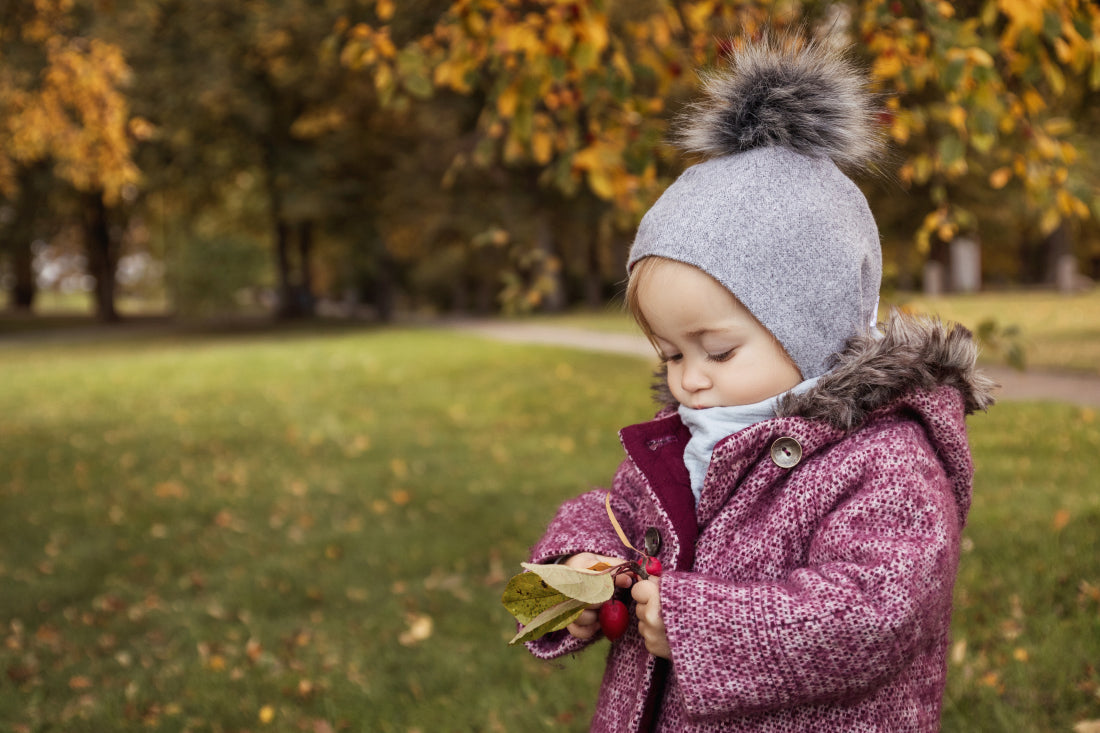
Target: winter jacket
810, 588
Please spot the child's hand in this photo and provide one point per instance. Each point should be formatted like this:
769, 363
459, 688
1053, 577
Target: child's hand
647, 594
587, 624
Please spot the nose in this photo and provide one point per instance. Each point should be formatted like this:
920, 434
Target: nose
694, 377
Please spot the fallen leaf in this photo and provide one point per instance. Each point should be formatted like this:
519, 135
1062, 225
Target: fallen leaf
1061, 519
420, 628
1087, 726
267, 714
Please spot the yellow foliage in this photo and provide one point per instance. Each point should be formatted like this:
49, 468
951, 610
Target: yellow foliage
542, 147
1058, 126
78, 117
1033, 102
957, 117
999, 178
887, 66
507, 102
1022, 14
384, 9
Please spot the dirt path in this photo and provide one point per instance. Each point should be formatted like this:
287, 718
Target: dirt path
1079, 389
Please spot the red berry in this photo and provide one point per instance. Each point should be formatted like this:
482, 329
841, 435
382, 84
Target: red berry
613, 618
653, 566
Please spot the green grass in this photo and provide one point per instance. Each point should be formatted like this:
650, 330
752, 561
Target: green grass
1057, 331
204, 533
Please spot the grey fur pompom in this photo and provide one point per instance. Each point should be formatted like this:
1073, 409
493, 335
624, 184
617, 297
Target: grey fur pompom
801, 94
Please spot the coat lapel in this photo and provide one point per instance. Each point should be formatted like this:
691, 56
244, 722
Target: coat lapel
657, 449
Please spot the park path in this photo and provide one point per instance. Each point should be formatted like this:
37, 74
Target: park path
1073, 388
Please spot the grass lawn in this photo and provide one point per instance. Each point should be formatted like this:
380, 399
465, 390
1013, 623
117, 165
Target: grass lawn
303, 532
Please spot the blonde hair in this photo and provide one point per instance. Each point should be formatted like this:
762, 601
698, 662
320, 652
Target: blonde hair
641, 271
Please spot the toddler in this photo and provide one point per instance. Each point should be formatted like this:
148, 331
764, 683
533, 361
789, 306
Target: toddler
806, 479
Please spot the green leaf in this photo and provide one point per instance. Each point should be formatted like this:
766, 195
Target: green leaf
552, 619
584, 585
528, 595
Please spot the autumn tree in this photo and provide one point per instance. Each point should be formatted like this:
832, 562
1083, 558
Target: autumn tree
62, 110
576, 98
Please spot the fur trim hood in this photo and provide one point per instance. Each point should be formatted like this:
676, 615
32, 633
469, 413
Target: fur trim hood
913, 353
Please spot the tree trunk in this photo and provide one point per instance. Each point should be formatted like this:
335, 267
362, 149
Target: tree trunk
102, 255
21, 235
554, 300
286, 307
1058, 263
306, 301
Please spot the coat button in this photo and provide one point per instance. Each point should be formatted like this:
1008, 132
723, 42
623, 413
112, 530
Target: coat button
652, 541
786, 452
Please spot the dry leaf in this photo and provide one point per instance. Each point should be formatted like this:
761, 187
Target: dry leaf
584, 585
420, 628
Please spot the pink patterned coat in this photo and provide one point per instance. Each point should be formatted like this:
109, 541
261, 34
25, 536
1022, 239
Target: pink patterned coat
814, 597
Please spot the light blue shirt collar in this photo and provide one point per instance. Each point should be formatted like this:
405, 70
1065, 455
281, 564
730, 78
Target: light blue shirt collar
712, 424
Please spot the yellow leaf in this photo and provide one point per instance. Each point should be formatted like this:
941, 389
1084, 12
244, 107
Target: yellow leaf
542, 145
384, 9
979, 57
420, 628
1046, 147
957, 117
1020, 654
999, 178
1061, 519
1050, 221
267, 714
1033, 101
596, 30
899, 130
1058, 126
600, 183
887, 67
507, 102
399, 468
1026, 13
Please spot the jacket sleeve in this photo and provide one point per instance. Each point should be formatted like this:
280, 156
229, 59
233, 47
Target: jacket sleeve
875, 586
582, 525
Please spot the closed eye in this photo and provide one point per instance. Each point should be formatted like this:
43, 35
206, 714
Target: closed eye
724, 356
671, 357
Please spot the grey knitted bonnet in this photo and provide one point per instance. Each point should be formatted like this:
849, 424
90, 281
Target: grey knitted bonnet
769, 214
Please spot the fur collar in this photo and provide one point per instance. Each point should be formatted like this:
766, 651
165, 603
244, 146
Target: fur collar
915, 352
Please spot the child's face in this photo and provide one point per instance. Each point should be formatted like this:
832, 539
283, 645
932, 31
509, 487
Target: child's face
717, 353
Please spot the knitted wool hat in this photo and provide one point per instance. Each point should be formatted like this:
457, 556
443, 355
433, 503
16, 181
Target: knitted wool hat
770, 215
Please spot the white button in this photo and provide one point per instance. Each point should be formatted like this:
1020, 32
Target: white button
786, 452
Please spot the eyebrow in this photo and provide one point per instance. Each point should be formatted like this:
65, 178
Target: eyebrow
697, 333
704, 331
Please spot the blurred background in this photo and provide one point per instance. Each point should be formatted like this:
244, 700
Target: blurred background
265, 463
375, 158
